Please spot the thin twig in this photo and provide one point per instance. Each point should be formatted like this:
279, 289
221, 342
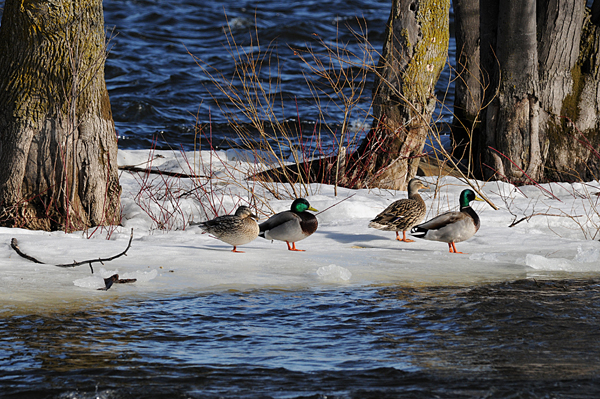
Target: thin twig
526, 175
337, 203
514, 223
15, 245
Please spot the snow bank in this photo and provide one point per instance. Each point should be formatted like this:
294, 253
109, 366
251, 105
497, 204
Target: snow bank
554, 241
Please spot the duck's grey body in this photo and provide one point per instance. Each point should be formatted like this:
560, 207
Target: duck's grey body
452, 227
238, 229
291, 226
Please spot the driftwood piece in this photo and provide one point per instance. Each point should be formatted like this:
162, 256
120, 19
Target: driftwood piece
15, 245
114, 279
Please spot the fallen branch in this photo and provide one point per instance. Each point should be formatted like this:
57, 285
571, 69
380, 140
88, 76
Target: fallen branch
15, 245
114, 279
131, 168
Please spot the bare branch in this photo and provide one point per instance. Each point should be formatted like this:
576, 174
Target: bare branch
15, 245
516, 222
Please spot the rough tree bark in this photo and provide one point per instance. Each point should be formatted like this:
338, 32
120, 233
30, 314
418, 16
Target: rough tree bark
413, 57
58, 147
512, 119
540, 70
469, 83
571, 57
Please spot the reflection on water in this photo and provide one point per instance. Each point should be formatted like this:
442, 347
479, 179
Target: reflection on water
526, 338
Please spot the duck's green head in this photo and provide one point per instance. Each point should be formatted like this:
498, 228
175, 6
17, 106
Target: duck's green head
301, 205
466, 196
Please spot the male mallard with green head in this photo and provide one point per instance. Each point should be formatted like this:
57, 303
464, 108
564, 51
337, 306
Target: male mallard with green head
238, 229
403, 214
291, 226
452, 227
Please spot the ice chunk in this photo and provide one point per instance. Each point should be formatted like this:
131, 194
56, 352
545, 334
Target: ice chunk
587, 255
561, 264
141, 276
540, 262
333, 273
94, 282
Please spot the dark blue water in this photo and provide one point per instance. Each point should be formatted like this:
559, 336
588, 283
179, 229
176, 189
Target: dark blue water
523, 339
158, 92
160, 96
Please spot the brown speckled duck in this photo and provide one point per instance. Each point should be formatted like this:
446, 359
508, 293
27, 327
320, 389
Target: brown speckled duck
403, 214
238, 229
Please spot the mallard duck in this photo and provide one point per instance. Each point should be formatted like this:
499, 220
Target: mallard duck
403, 214
452, 227
291, 226
238, 229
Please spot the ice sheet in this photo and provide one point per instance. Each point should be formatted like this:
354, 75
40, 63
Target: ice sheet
343, 251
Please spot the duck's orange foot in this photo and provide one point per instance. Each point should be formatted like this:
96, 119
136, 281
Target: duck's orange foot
403, 239
235, 250
293, 247
452, 248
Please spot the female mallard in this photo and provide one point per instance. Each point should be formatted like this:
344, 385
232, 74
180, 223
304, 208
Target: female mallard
291, 226
452, 227
238, 229
403, 214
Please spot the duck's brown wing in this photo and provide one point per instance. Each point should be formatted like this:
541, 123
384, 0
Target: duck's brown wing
400, 215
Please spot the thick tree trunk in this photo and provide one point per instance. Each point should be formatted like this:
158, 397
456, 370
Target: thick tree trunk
469, 82
573, 94
58, 146
413, 57
544, 71
512, 119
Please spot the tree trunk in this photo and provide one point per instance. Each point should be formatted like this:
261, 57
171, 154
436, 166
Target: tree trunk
512, 118
469, 81
543, 71
58, 147
570, 55
413, 57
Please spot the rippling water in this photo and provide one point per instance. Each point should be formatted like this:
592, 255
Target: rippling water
522, 339
158, 93
157, 90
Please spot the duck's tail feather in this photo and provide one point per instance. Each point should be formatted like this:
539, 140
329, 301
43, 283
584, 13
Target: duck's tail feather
418, 232
376, 225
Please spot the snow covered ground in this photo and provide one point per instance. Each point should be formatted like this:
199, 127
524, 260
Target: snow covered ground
343, 251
